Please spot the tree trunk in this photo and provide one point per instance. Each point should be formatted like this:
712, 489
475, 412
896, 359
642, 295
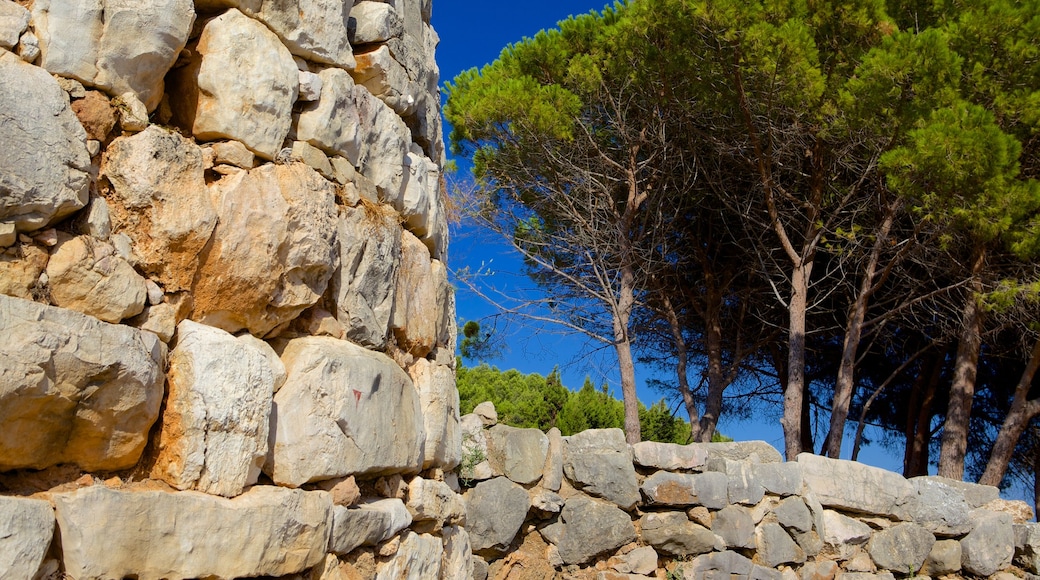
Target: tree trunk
795, 388
919, 419
681, 367
1022, 412
717, 381
962, 390
623, 346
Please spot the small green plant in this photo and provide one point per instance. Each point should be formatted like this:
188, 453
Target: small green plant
472, 455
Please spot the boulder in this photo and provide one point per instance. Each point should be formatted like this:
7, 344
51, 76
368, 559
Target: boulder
439, 400
742, 485
343, 410
415, 309
367, 524
313, 29
273, 250
384, 146
669, 456
116, 45
431, 500
215, 428
332, 122
939, 507
26, 530
944, 558
20, 269
685, 489
74, 389
904, 546
1027, 546
418, 558
458, 554
518, 454
241, 85
374, 22
387, 79
43, 148
781, 479
546, 501
362, 287
842, 535
975, 495
734, 525
590, 528
726, 565
852, 486
158, 197
14, 20
641, 560
495, 509
421, 203
793, 515
88, 276
989, 547
599, 462
774, 546
474, 464
749, 451
673, 533
155, 535
487, 413
233, 153
552, 471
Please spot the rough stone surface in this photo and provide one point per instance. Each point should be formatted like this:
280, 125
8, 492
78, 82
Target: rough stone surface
387, 79
418, 558
495, 509
20, 269
273, 250
420, 203
88, 276
944, 558
415, 309
26, 530
372, 22
242, 86
842, 534
743, 487
852, 486
904, 546
74, 389
439, 399
368, 524
599, 462
669, 456
641, 560
518, 454
328, 419
590, 528
115, 45
734, 525
673, 533
458, 561
989, 547
215, 428
793, 514
233, 153
749, 451
774, 547
433, 500
384, 146
14, 19
332, 123
682, 489
43, 148
552, 471
313, 29
487, 413
939, 507
96, 115
474, 465
155, 534
781, 479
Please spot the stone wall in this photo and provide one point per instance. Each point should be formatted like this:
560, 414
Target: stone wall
226, 333
591, 506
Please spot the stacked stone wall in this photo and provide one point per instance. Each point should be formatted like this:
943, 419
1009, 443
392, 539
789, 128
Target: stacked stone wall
226, 332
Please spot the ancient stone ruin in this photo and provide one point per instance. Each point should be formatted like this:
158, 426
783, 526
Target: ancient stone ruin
227, 340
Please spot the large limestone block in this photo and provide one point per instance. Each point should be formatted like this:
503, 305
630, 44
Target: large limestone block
989, 547
855, 487
749, 451
440, 410
420, 202
332, 123
313, 29
669, 456
519, 454
599, 462
26, 530
116, 45
387, 79
20, 269
418, 558
552, 471
474, 465
273, 250
384, 147
13, 21
458, 554
904, 546
673, 533
687, 489
591, 528
74, 389
215, 428
88, 276
43, 148
735, 526
367, 524
432, 500
363, 286
242, 85
153, 535
374, 22
416, 312
939, 507
158, 197
774, 547
842, 534
495, 509
343, 410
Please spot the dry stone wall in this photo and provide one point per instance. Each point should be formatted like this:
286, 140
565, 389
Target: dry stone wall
226, 332
590, 506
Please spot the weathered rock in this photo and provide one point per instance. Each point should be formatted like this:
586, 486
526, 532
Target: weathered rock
495, 510
233, 153
367, 524
387, 79
418, 558
774, 546
480, 568
599, 463
743, 487
28, 47
26, 530
420, 203
852, 486
641, 560
133, 114
273, 250
1027, 546
458, 561
989, 547
313, 29
43, 148
683, 489
312, 157
591, 528
66, 396
415, 312
115, 45
434, 500
13, 21
487, 413
242, 85
673, 533
1020, 511
384, 146
904, 546
974, 494
86, 275
518, 454
345, 491
726, 565
215, 428
546, 501
310, 86
155, 534
552, 471
749, 451
96, 115
343, 410
734, 525
781, 479
20, 269
939, 507
825, 570
841, 534
440, 410
474, 465
158, 197
332, 123
944, 558
669, 456
794, 515
372, 22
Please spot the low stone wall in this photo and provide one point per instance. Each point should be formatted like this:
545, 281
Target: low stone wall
591, 506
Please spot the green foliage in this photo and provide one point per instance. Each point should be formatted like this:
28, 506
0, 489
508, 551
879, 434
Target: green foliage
476, 344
